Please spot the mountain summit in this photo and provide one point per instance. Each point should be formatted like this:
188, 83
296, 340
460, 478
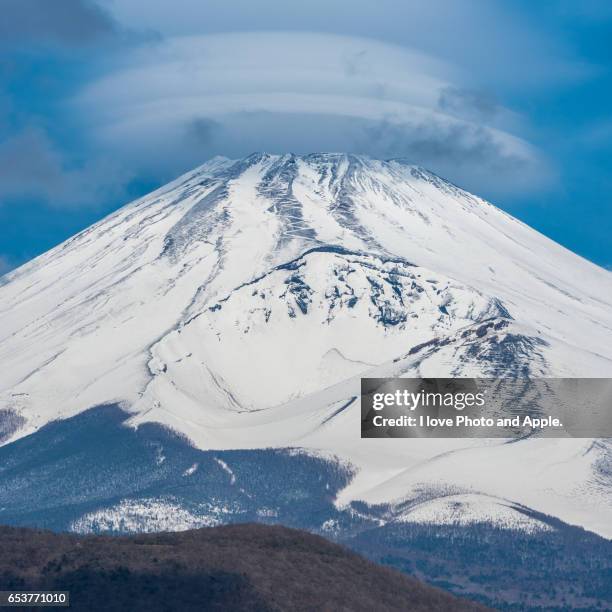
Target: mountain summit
240, 305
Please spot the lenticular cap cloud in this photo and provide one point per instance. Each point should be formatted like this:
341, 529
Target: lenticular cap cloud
370, 87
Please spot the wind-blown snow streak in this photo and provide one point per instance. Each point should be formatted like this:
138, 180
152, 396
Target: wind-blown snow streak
241, 304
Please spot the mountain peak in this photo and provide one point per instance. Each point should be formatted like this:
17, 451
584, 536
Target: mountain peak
241, 304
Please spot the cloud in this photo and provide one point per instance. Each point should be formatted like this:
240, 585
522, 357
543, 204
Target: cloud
475, 157
65, 22
202, 130
477, 104
32, 167
47, 49
496, 42
190, 97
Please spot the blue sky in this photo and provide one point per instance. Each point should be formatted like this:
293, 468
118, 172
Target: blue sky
102, 101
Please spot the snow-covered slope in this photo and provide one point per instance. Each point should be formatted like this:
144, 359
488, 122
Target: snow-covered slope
241, 304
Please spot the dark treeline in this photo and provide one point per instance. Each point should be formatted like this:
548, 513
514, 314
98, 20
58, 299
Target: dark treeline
239, 567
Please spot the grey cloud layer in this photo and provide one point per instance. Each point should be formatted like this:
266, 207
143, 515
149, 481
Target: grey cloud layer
32, 167
72, 22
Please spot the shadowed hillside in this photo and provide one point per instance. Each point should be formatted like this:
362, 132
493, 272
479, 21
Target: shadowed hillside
238, 567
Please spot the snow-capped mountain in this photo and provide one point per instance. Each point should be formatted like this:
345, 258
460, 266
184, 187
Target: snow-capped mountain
241, 304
